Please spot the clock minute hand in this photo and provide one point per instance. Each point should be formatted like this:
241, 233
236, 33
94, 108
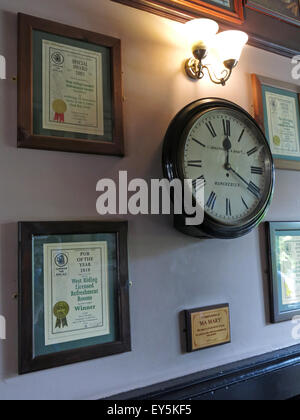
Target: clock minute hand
251, 187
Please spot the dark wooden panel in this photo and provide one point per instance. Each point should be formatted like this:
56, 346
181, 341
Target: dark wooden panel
274, 376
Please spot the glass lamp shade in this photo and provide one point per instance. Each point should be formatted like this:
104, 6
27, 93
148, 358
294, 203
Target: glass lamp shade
200, 32
230, 45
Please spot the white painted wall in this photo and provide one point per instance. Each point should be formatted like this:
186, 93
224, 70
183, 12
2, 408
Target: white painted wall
170, 272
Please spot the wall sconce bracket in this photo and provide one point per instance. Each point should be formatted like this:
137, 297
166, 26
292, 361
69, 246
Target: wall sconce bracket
195, 70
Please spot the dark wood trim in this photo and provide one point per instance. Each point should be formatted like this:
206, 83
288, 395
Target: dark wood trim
184, 10
265, 31
277, 15
28, 362
274, 376
258, 101
26, 137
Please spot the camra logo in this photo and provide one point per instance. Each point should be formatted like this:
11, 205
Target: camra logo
61, 260
57, 58
2, 67
2, 328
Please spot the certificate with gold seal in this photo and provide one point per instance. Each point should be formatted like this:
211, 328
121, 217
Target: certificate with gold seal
283, 122
75, 291
277, 110
72, 89
70, 95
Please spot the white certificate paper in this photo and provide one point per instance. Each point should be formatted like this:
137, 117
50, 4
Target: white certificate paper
289, 250
76, 298
72, 89
283, 122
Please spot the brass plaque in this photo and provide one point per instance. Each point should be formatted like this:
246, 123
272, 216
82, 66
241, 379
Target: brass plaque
208, 327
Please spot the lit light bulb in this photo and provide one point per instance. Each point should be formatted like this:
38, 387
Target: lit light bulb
230, 45
200, 32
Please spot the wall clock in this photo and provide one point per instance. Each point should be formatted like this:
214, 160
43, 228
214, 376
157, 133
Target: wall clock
220, 143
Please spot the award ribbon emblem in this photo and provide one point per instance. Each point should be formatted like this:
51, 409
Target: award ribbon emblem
276, 140
61, 310
59, 107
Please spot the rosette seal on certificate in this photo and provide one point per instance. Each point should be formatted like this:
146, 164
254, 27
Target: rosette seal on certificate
61, 310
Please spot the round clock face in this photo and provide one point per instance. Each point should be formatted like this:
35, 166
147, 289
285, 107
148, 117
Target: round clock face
219, 144
225, 150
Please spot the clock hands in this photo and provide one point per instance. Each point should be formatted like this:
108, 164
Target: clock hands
254, 189
227, 147
251, 186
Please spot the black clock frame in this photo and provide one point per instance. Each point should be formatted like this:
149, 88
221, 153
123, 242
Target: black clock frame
173, 141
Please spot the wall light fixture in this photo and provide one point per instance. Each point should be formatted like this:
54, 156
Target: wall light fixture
210, 49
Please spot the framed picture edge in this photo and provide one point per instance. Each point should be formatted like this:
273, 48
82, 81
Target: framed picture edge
275, 315
26, 360
277, 15
26, 137
182, 12
257, 82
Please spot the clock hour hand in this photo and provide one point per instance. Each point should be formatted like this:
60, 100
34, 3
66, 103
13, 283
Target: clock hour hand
227, 147
251, 187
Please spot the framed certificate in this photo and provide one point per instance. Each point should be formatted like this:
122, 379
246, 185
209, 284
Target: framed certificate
277, 110
73, 293
69, 89
284, 261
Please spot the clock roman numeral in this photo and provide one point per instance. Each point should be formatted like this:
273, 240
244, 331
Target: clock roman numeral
241, 136
256, 170
195, 163
211, 129
227, 128
245, 204
255, 149
228, 207
212, 200
199, 183
254, 189
199, 142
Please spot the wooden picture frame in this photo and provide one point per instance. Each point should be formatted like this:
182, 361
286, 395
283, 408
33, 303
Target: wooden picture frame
265, 31
207, 327
66, 333
278, 14
87, 116
263, 86
281, 245
184, 10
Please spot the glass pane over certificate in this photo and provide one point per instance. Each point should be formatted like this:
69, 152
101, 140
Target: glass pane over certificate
288, 270
72, 88
282, 122
224, 3
74, 279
